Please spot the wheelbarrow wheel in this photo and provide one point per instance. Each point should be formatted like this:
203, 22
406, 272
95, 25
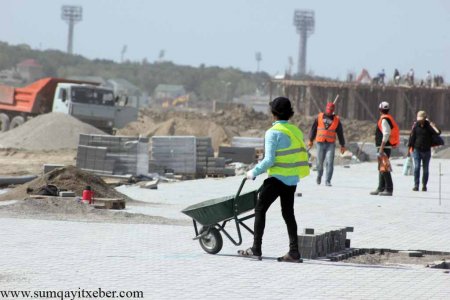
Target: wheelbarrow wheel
212, 242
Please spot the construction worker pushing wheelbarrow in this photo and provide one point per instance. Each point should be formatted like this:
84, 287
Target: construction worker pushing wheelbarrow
286, 161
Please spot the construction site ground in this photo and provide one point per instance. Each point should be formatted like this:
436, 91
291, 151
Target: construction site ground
42, 252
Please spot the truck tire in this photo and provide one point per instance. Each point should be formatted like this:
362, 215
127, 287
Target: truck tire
16, 121
4, 122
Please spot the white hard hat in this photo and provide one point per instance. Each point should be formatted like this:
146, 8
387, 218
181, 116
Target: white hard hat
384, 105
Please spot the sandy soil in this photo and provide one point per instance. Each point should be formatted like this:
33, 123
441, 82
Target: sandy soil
55, 208
14, 162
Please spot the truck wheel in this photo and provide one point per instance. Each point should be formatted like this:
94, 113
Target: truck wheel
212, 242
16, 121
4, 122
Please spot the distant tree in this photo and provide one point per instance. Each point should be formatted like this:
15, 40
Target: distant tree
207, 83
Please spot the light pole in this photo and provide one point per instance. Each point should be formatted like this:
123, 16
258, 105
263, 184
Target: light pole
71, 14
258, 57
304, 22
122, 53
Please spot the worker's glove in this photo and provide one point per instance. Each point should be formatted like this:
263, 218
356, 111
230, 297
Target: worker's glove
310, 144
249, 175
343, 149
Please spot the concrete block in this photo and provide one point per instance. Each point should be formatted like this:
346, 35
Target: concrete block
50, 167
67, 194
309, 231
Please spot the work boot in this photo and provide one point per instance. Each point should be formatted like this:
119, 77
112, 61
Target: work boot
376, 192
319, 180
385, 193
415, 189
424, 188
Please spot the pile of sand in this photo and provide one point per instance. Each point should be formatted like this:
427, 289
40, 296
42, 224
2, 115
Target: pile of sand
70, 209
47, 132
69, 178
222, 126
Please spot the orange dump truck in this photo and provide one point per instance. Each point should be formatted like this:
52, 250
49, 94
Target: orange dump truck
86, 101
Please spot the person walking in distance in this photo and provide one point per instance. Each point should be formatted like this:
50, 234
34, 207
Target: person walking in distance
387, 135
396, 77
420, 143
286, 161
324, 130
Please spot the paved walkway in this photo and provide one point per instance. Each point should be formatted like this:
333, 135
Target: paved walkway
165, 263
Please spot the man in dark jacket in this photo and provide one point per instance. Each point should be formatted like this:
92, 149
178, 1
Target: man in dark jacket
420, 142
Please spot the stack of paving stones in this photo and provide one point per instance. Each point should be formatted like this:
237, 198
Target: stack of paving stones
189, 156
175, 153
204, 151
215, 167
246, 155
331, 244
113, 155
249, 142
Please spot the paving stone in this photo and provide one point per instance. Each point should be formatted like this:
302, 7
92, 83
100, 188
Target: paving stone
165, 263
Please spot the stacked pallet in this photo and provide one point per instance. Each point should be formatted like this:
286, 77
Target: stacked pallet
112, 155
246, 155
176, 154
250, 142
204, 151
215, 167
189, 156
313, 245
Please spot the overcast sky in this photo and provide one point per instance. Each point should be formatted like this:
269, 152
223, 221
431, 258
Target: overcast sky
349, 34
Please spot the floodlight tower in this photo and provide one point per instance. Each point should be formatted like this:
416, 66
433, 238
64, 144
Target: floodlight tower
258, 57
122, 53
71, 14
304, 22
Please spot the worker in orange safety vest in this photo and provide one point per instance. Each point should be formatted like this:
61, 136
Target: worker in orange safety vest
387, 136
324, 130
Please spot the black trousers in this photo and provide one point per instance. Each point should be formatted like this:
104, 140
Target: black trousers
385, 178
271, 189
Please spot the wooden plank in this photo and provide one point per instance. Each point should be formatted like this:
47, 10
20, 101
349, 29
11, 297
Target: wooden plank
408, 104
314, 101
365, 106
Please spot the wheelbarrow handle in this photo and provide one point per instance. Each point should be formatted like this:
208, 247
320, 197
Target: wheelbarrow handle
240, 187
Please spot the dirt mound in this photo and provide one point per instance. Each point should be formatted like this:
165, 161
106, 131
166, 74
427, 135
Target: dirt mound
47, 132
359, 131
223, 125
143, 125
69, 178
179, 126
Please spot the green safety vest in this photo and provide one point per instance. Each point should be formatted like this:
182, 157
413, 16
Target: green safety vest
291, 161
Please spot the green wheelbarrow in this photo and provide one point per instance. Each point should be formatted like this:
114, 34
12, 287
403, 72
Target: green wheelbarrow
214, 215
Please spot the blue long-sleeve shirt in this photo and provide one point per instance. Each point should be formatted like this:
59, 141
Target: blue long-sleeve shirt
274, 140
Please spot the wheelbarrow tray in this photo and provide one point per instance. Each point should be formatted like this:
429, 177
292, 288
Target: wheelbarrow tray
221, 209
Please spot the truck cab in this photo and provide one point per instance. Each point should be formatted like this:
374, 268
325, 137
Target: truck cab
89, 103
